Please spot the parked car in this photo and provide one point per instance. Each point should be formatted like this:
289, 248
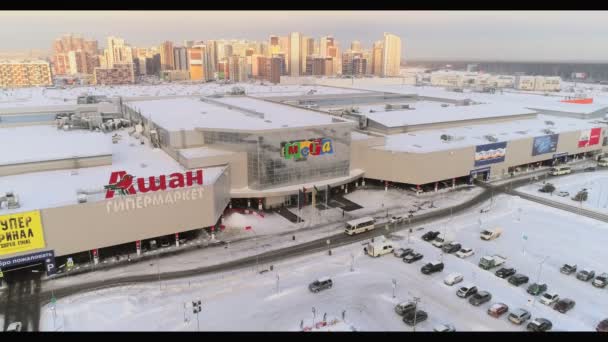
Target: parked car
320, 284
590, 169
564, 305
518, 279
402, 252
563, 194
539, 324
464, 253
466, 291
536, 289
405, 307
505, 272
519, 316
585, 274
601, 280
412, 257
438, 242
480, 298
453, 278
602, 326
415, 317
568, 268
547, 188
432, 267
444, 328
490, 234
549, 298
14, 327
451, 247
430, 236
498, 309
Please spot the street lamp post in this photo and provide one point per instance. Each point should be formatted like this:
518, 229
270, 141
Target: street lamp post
540, 268
416, 300
314, 311
352, 262
278, 288
394, 286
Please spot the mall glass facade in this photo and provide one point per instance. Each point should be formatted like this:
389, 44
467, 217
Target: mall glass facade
268, 166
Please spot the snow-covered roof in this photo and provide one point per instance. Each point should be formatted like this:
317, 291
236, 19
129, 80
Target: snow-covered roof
473, 135
428, 113
191, 113
41, 143
201, 152
354, 135
59, 188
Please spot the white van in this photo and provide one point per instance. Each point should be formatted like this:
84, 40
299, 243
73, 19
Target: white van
453, 278
379, 248
360, 225
602, 162
560, 170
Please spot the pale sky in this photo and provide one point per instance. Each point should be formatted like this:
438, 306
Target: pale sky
507, 35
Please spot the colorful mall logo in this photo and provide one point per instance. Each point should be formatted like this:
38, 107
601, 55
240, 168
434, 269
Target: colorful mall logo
123, 183
301, 149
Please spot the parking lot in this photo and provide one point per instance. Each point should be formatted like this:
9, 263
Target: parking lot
530, 235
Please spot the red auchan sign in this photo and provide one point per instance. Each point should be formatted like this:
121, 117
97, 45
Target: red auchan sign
123, 183
184, 188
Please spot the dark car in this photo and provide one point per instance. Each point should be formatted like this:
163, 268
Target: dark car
466, 291
403, 308
480, 298
585, 274
518, 279
415, 317
540, 324
568, 268
410, 258
432, 267
430, 236
451, 247
536, 289
564, 305
401, 252
602, 326
505, 272
590, 169
320, 284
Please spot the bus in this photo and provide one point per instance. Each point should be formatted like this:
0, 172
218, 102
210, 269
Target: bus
360, 225
560, 170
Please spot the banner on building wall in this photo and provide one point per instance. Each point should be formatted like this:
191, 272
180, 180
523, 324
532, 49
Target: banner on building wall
21, 232
302, 149
545, 144
490, 153
589, 137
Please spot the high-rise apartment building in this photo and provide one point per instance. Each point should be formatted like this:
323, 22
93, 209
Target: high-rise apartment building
25, 73
199, 66
274, 46
117, 52
353, 63
295, 54
391, 55
355, 46
377, 58
180, 57
212, 56
74, 55
167, 59
188, 43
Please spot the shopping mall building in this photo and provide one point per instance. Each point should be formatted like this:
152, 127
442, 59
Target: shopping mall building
168, 167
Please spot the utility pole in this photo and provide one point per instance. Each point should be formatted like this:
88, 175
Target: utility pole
196, 309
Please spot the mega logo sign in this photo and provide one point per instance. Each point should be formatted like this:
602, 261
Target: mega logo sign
21, 232
589, 137
125, 184
301, 149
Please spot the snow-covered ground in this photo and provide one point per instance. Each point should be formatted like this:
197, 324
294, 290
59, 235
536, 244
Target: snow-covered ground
267, 302
596, 184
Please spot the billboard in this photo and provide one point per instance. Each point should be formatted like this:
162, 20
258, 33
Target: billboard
490, 153
545, 144
589, 137
21, 232
301, 149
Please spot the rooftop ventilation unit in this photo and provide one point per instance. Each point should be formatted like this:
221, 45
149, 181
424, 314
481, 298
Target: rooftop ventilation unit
490, 138
549, 123
548, 131
447, 137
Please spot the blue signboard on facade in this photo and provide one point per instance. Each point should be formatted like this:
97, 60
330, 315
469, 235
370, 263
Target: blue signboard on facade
48, 257
490, 153
545, 144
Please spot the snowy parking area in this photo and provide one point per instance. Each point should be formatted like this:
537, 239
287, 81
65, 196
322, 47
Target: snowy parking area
262, 302
595, 182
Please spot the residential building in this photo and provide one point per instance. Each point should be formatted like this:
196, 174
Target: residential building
167, 59
355, 46
391, 55
117, 51
26, 73
377, 58
295, 54
180, 57
119, 73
